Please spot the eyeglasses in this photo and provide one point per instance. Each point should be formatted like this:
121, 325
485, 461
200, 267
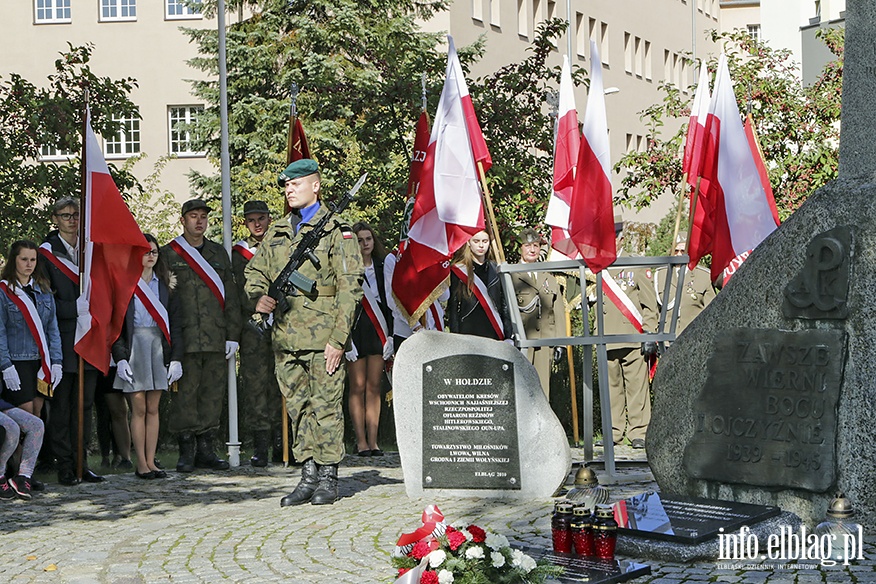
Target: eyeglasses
152, 252
67, 216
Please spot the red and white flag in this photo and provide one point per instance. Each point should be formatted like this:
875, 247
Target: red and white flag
591, 217
696, 130
566, 147
114, 248
448, 208
737, 201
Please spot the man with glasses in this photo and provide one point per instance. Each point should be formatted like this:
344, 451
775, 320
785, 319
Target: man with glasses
61, 250
697, 289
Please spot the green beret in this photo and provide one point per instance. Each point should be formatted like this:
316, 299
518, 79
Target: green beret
297, 169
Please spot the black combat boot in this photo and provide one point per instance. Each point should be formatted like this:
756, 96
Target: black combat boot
206, 455
186, 452
327, 491
260, 448
306, 486
277, 446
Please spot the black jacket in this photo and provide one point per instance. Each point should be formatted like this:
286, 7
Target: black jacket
465, 315
174, 350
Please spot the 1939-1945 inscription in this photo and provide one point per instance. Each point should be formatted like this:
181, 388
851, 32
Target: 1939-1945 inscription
470, 424
767, 414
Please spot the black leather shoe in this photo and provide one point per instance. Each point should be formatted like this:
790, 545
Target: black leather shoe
149, 476
377, 452
68, 478
88, 476
160, 474
304, 491
326, 492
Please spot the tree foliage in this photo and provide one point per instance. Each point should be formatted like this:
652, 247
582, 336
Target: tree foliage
50, 116
798, 126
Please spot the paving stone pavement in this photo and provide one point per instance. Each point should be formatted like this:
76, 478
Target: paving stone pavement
210, 527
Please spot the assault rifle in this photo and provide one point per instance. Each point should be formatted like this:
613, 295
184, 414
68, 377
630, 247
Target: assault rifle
290, 281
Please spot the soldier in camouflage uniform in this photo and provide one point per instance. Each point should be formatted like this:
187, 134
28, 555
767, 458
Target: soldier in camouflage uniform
258, 384
211, 329
309, 339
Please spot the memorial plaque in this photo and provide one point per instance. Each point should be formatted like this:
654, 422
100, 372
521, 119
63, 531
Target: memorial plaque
767, 414
688, 520
470, 424
587, 569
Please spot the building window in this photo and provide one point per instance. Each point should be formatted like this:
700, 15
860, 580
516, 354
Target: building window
637, 56
113, 10
126, 142
495, 13
477, 10
648, 72
603, 43
628, 52
180, 118
580, 36
183, 9
52, 11
50, 153
537, 16
522, 21
754, 31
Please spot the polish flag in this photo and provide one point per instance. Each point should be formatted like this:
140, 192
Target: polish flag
114, 248
737, 201
591, 218
696, 131
448, 208
699, 164
568, 141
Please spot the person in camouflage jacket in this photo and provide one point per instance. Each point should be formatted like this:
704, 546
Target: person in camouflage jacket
309, 339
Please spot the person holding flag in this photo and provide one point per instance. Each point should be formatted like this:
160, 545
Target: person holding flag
258, 383
149, 354
211, 329
370, 345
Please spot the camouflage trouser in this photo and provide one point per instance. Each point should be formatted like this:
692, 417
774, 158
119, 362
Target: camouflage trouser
197, 406
313, 400
260, 396
630, 399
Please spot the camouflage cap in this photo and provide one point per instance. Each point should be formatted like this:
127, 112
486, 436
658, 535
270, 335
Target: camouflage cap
530, 235
255, 207
194, 205
297, 169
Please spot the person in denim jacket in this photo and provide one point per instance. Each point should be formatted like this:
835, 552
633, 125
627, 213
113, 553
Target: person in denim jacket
20, 359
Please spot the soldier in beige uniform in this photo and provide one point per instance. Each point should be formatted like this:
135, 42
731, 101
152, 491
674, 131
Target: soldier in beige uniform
309, 339
697, 291
540, 302
627, 366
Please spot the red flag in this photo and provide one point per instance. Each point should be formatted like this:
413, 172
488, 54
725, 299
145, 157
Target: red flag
114, 248
296, 149
448, 210
591, 218
741, 216
415, 291
566, 149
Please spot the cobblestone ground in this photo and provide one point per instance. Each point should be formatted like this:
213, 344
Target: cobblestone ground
209, 527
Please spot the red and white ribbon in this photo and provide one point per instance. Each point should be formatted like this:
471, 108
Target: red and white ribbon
433, 526
620, 299
32, 318
483, 296
243, 248
67, 267
154, 307
375, 315
201, 267
437, 320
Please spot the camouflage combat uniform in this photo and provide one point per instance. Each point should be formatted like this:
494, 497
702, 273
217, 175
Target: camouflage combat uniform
313, 398
258, 383
197, 406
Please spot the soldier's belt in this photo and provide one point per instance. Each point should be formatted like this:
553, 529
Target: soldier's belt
326, 290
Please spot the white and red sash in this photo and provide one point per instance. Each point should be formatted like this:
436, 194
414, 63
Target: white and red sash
154, 307
201, 267
66, 267
32, 318
437, 316
243, 248
483, 296
620, 299
372, 308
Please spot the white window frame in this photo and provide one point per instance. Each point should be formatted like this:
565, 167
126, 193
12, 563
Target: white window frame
119, 6
52, 6
186, 14
496, 13
52, 154
477, 10
189, 118
127, 141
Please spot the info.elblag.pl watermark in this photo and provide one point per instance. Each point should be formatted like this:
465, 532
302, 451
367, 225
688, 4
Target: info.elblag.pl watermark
791, 548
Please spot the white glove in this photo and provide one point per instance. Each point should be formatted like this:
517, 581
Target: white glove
57, 374
123, 369
10, 376
230, 349
82, 306
174, 372
352, 354
388, 349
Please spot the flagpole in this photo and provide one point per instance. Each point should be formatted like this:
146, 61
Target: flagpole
492, 228
693, 213
80, 409
681, 190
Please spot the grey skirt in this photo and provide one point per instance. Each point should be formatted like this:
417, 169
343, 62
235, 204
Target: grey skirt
147, 362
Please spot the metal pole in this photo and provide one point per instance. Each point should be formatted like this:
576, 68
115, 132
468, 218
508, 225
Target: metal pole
693, 29
569, 31
225, 168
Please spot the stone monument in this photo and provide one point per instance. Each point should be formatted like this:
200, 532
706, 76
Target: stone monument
768, 396
472, 420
